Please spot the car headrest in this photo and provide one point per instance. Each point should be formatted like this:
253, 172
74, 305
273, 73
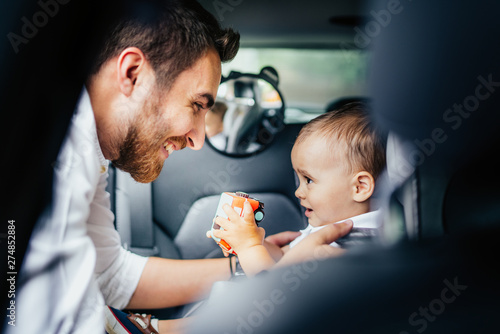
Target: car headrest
472, 198
435, 76
339, 102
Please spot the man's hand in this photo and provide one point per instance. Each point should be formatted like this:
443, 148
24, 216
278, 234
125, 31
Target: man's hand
317, 244
283, 238
277, 244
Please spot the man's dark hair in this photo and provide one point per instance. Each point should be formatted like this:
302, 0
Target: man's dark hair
172, 36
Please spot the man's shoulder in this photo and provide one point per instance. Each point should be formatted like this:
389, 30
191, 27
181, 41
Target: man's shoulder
80, 151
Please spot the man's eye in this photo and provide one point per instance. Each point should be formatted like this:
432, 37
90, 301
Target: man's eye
199, 106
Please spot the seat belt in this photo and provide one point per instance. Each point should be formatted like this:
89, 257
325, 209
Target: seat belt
134, 214
111, 189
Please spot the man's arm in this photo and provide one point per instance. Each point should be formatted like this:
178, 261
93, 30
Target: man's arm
168, 282
129, 280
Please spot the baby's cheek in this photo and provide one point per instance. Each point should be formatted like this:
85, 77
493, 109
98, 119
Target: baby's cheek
324, 216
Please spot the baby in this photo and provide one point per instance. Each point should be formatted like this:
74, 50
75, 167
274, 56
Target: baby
337, 158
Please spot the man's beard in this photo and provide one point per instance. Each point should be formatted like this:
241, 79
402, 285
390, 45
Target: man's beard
139, 152
139, 157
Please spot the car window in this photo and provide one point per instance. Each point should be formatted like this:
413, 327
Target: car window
309, 78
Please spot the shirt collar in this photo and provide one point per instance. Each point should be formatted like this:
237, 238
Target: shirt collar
366, 220
84, 109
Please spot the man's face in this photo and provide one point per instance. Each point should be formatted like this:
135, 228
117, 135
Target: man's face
170, 121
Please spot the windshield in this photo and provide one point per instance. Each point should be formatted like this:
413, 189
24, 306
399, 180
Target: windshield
309, 79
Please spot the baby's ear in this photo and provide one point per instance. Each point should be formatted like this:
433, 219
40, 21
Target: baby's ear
364, 185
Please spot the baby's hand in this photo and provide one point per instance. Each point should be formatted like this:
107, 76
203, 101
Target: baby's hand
209, 235
239, 232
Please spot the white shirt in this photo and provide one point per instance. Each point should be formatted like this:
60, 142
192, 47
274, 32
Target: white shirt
74, 257
366, 220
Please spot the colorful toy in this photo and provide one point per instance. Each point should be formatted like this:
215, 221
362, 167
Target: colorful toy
236, 201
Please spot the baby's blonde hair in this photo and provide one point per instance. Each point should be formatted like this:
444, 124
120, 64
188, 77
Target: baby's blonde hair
349, 129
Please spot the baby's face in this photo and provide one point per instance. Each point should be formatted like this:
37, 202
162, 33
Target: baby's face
325, 187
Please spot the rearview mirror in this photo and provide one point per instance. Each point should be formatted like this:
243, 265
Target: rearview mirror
248, 113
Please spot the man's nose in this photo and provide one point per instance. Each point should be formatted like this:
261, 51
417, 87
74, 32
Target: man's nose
196, 137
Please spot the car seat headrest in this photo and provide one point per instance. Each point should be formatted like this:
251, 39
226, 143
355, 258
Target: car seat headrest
337, 103
441, 92
472, 198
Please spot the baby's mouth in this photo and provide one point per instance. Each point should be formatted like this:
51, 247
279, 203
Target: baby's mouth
308, 212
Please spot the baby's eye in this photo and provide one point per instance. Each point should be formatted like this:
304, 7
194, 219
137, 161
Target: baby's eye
308, 180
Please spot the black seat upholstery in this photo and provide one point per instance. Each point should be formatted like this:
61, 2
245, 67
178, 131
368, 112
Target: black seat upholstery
470, 203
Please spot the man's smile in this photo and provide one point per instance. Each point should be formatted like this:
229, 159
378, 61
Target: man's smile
168, 148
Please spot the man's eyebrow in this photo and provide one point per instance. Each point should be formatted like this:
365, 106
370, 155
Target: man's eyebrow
208, 98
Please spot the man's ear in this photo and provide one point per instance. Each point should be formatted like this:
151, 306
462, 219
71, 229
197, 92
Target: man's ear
363, 186
130, 63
